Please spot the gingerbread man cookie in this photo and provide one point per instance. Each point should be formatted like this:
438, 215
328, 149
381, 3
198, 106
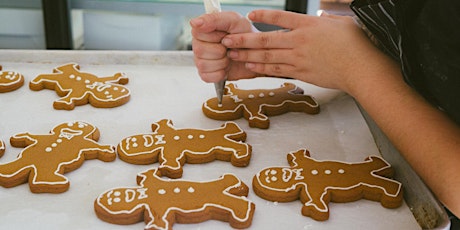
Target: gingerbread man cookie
10, 80
317, 183
173, 147
162, 202
2, 148
45, 158
79, 88
256, 105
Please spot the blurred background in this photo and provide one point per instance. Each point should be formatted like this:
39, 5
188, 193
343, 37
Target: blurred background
123, 24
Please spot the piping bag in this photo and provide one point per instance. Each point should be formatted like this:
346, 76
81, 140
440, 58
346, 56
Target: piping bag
212, 6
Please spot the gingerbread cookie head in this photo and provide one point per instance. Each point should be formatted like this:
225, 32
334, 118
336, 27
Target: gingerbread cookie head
256, 105
78, 88
316, 183
10, 80
45, 158
162, 202
174, 147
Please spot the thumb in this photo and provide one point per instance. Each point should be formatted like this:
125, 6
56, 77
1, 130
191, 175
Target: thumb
227, 21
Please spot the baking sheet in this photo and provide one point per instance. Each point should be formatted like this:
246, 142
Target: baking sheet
166, 85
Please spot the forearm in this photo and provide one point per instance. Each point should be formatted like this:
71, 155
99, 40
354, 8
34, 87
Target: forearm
423, 134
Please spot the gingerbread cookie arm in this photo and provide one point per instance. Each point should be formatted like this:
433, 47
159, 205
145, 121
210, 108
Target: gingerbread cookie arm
119, 78
23, 140
2, 148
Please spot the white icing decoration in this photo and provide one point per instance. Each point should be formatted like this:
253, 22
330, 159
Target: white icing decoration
190, 137
48, 149
314, 172
202, 136
130, 195
327, 171
176, 138
250, 96
191, 190
341, 171
161, 191
177, 190
261, 95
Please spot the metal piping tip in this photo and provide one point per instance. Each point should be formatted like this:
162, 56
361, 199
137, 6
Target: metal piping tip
220, 86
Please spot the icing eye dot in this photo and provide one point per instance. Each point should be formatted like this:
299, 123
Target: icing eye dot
106, 92
190, 136
71, 76
341, 171
48, 149
135, 145
117, 193
87, 81
261, 95
327, 171
177, 190
273, 172
176, 138
314, 172
70, 124
161, 191
191, 190
274, 178
116, 200
271, 94
251, 96
115, 88
201, 136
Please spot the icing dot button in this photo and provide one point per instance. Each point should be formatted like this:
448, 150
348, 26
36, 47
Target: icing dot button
161, 191
190, 137
327, 171
176, 138
177, 190
314, 172
341, 171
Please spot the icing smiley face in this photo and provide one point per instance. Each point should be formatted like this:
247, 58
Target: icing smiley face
256, 105
162, 202
45, 158
10, 80
78, 88
316, 183
174, 147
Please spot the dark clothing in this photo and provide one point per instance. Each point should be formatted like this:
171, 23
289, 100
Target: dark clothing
424, 36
